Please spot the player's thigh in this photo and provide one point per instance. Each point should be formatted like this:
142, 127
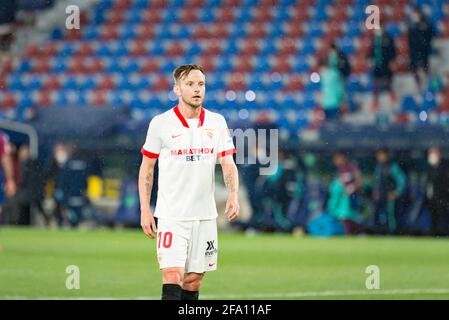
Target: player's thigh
172, 243
203, 252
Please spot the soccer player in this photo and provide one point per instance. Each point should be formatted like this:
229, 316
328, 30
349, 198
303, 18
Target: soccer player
188, 140
7, 182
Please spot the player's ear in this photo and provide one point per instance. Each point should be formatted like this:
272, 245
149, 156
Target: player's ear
176, 89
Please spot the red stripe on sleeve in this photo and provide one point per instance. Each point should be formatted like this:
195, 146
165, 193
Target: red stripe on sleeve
149, 154
227, 152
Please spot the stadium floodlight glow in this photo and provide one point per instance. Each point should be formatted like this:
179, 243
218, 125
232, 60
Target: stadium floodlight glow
423, 116
243, 114
250, 95
275, 77
315, 77
230, 95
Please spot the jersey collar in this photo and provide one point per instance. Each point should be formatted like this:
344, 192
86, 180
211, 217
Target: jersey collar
183, 120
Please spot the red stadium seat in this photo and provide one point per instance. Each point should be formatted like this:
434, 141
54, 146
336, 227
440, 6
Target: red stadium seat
9, 101
151, 16
98, 98
32, 50
52, 83
225, 14
194, 4
6, 67
250, 47
77, 65
365, 44
281, 65
85, 49
138, 48
175, 49
107, 83
115, 17
300, 15
41, 65
74, 34
3, 83
359, 64
189, 15
243, 64
294, 84
44, 98
236, 82
231, 3
401, 64
123, 4
145, 31
109, 32
262, 14
158, 4
398, 13
294, 29
150, 66
334, 29
201, 32
256, 30
212, 48
207, 63
287, 46
267, 3
219, 31
339, 13
161, 84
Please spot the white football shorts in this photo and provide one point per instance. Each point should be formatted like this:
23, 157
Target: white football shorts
192, 245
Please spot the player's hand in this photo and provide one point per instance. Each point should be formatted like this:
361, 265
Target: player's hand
10, 188
232, 207
148, 224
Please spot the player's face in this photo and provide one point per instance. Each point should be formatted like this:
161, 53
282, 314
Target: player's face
191, 89
339, 160
382, 157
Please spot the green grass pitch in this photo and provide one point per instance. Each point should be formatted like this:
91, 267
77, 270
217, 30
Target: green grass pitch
122, 264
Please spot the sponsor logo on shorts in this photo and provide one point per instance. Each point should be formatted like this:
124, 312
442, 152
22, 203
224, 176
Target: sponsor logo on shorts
211, 249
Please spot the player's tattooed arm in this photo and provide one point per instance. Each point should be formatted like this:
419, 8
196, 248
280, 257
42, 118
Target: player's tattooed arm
145, 186
146, 174
231, 180
149, 183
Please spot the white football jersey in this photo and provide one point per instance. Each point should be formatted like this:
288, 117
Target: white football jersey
188, 150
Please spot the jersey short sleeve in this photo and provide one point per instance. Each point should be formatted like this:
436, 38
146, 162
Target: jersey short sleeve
152, 145
225, 143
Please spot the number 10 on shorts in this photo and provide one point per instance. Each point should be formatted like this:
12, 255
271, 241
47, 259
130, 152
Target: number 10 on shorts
166, 238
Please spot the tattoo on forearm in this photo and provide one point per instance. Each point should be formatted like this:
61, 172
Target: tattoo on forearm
229, 182
149, 184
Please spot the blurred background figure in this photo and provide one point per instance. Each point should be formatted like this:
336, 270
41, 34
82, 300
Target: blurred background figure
8, 185
69, 176
437, 192
8, 10
383, 53
344, 201
389, 186
29, 190
343, 64
332, 87
420, 35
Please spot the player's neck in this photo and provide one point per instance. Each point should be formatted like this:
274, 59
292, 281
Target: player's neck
189, 112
